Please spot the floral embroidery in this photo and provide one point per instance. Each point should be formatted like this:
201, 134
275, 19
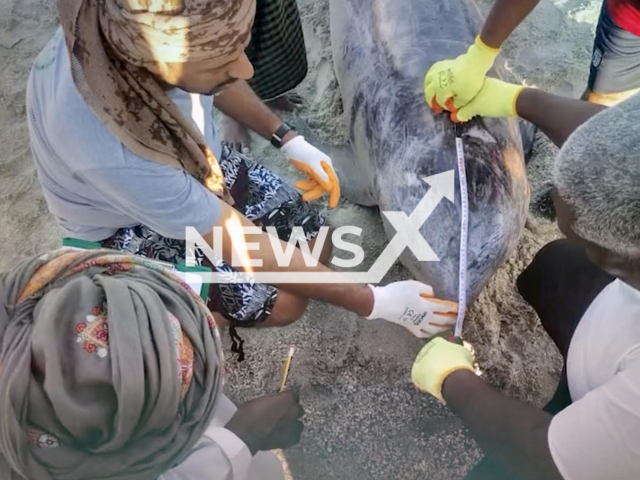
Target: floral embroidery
184, 355
47, 272
39, 439
118, 268
94, 333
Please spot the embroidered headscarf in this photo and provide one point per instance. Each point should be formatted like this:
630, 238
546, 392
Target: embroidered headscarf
114, 46
110, 368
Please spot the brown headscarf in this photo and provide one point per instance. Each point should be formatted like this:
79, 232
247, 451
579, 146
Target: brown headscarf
114, 46
110, 368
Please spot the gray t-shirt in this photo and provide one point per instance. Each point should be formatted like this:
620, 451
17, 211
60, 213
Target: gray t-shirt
92, 183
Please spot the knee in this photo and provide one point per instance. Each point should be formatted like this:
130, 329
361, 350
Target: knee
287, 309
608, 99
220, 320
327, 248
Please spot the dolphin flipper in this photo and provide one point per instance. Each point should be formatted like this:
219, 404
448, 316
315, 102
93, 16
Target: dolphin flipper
353, 184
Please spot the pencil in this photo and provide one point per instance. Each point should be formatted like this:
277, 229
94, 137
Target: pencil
286, 367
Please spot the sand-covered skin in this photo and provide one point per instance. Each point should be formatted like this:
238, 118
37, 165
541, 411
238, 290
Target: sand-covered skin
364, 420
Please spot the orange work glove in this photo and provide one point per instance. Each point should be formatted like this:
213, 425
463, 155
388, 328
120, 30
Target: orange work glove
321, 177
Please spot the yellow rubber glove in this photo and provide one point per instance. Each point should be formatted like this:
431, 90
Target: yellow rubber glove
495, 99
452, 84
435, 362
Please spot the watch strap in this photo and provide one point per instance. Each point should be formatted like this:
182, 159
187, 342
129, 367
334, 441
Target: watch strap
276, 138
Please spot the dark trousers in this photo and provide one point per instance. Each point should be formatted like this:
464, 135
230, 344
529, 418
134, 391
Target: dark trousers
615, 60
277, 50
560, 284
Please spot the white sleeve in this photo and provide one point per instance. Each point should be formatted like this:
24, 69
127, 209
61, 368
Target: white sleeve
219, 455
597, 437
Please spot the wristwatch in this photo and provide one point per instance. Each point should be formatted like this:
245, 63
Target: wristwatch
276, 138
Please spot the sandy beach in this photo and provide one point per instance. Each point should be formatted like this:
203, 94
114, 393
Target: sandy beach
364, 419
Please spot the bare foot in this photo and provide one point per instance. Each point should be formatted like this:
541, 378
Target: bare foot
286, 103
234, 135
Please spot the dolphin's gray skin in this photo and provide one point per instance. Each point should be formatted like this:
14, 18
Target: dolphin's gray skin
381, 52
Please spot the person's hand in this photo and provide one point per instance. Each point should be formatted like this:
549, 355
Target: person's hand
411, 304
451, 84
495, 99
269, 422
321, 177
435, 362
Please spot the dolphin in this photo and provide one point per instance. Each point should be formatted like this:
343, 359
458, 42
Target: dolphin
381, 52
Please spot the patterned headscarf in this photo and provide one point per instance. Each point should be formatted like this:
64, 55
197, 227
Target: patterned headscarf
110, 368
114, 46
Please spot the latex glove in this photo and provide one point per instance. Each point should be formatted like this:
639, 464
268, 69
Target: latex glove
411, 304
436, 361
452, 84
317, 166
495, 99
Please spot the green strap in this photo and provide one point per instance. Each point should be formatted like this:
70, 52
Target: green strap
181, 267
77, 243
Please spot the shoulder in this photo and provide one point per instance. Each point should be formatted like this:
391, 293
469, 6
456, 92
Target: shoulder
48, 54
618, 297
61, 120
609, 330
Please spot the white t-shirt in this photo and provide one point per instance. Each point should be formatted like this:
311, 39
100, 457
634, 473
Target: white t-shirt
598, 436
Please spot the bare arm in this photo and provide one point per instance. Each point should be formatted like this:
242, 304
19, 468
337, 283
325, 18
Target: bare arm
354, 297
503, 19
557, 117
512, 432
241, 103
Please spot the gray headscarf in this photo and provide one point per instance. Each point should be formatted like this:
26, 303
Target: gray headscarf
110, 368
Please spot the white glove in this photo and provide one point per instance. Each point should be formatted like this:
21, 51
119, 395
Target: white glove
321, 177
412, 305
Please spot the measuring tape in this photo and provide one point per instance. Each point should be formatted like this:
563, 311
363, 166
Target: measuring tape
464, 233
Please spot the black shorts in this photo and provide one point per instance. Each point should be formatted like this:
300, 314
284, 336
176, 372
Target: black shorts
615, 62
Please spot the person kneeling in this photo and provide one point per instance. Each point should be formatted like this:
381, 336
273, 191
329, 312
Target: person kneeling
586, 291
